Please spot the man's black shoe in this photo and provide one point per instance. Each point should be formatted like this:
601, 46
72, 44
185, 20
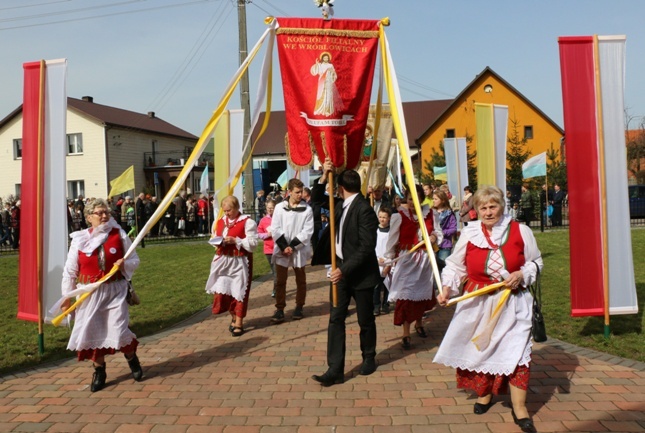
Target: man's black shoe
278, 316
368, 367
328, 379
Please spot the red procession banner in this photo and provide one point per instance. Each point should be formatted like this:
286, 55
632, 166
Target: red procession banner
327, 72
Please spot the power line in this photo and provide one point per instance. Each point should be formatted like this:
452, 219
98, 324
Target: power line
283, 13
208, 29
108, 15
71, 11
33, 5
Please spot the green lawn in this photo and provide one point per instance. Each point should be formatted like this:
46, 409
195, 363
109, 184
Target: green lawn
171, 278
626, 338
170, 282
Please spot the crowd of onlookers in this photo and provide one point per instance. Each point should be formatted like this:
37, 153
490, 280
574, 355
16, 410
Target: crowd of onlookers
545, 207
191, 214
10, 223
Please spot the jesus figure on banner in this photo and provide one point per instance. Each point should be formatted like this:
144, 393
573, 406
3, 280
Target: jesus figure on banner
328, 100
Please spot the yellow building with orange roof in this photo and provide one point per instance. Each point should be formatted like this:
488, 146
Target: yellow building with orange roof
458, 119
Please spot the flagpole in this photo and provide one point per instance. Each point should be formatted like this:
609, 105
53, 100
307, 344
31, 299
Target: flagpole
39, 188
603, 192
545, 215
332, 235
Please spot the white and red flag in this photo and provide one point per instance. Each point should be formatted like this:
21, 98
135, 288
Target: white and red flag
43, 223
602, 267
327, 71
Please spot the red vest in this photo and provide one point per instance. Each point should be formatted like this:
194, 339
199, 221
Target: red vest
409, 232
511, 250
90, 270
235, 230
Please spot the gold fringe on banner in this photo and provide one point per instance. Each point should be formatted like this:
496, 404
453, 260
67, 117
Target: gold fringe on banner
294, 165
365, 34
324, 145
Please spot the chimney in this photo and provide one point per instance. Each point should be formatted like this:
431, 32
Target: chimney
151, 114
87, 99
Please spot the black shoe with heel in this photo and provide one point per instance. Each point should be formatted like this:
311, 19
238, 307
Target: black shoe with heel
406, 343
525, 424
481, 408
98, 378
135, 367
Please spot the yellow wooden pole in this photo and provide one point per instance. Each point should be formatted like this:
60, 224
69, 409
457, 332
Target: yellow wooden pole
332, 234
603, 182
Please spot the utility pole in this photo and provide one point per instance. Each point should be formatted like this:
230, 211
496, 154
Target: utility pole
245, 104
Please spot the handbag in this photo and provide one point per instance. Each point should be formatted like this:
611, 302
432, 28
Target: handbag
472, 214
181, 225
132, 298
538, 327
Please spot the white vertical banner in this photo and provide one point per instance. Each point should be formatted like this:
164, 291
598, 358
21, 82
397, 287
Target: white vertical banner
500, 113
236, 146
457, 166
622, 286
304, 177
55, 187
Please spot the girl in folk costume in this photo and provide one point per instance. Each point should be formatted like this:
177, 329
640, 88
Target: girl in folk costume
264, 233
235, 236
101, 322
492, 351
412, 281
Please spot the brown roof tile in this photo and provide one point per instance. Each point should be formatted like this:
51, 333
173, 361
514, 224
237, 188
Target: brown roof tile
117, 117
419, 116
128, 119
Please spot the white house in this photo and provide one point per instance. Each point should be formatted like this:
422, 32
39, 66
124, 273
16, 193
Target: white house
102, 142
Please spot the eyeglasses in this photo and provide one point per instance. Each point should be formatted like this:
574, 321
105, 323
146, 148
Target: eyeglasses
101, 213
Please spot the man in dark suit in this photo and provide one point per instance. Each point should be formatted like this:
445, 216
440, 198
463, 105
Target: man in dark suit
356, 275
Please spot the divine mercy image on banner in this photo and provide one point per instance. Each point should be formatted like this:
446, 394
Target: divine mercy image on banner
327, 72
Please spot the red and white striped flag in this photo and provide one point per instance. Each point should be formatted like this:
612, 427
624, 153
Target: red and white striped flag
43, 237
601, 249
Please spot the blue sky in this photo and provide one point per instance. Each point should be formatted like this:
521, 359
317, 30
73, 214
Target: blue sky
175, 57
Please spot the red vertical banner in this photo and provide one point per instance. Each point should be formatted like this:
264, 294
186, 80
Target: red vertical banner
327, 69
583, 174
30, 264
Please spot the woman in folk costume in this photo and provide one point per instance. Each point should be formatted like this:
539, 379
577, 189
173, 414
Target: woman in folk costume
492, 351
101, 322
412, 281
235, 236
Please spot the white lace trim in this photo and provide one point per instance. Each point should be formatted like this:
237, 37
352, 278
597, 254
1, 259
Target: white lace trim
474, 234
88, 242
502, 370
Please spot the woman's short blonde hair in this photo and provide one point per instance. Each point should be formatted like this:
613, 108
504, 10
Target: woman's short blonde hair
231, 200
488, 193
93, 204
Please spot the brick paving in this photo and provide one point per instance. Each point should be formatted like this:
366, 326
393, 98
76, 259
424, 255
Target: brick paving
200, 379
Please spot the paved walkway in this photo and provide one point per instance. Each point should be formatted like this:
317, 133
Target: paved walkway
200, 379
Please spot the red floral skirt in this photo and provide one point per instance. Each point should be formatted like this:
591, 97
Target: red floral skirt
411, 311
92, 354
484, 384
224, 303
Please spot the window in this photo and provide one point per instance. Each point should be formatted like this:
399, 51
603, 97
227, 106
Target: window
18, 189
74, 144
450, 133
528, 132
75, 188
17, 148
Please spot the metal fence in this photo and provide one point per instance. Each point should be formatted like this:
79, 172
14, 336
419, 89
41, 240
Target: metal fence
164, 234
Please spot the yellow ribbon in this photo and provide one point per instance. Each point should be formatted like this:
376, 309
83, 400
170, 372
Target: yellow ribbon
188, 166
482, 340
